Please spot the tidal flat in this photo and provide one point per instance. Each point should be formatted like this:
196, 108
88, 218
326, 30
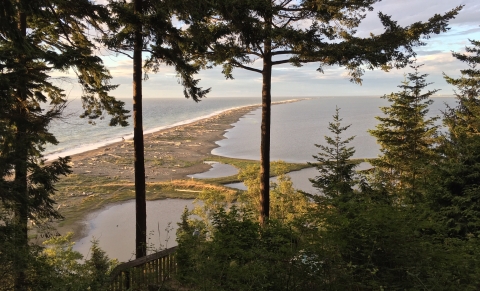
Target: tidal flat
105, 176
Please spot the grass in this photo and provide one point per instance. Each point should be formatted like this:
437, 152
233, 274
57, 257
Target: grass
242, 164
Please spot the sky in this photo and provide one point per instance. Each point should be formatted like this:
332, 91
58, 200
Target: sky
288, 81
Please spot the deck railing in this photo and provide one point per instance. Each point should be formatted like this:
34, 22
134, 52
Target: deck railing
141, 273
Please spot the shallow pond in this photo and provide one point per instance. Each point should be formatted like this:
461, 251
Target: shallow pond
217, 170
114, 227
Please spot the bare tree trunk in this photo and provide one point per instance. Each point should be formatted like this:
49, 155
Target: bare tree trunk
265, 134
20, 180
140, 205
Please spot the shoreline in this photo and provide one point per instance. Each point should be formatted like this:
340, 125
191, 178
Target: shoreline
129, 137
170, 154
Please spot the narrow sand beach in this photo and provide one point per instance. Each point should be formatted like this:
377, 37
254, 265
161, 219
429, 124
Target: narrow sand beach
171, 153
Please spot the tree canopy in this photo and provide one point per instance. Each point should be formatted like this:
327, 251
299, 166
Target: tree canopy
237, 33
38, 38
407, 138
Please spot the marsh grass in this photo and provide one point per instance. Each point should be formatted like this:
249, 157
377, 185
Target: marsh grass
242, 164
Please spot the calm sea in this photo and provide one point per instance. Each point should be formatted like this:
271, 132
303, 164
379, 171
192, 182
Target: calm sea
296, 127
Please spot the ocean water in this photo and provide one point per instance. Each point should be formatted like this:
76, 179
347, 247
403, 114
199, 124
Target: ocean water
76, 135
297, 127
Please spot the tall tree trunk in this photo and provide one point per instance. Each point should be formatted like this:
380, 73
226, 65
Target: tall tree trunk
21, 207
140, 205
265, 133
21, 158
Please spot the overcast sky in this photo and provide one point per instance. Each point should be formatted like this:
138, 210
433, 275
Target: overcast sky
306, 81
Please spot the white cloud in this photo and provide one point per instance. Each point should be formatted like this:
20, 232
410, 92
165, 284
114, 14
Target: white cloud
306, 81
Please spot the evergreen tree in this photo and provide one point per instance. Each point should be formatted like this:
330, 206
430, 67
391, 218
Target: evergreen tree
406, 139
37, 38
464, 119
367, 240
239, 32
457, 196
336, 172
146, 26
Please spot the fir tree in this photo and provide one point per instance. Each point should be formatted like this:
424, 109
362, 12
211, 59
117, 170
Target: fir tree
336, 172
367, 240
457, 197
464, 119
36, 39
238, 33
406, 137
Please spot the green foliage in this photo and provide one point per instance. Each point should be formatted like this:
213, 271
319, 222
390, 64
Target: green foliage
222, 246
56, 41
368, 241
354, 237
164, 41
65, 262
68, 273
238, 33
243, 31
240, 255
37, 39
54, 267
336, 172
351, 232
457, 193
287, 204
372, 243
406, 139
464, 118
207, 203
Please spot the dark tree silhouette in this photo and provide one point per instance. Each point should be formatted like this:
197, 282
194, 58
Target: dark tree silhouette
239, 32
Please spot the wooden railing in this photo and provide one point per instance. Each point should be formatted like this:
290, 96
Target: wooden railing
141, 273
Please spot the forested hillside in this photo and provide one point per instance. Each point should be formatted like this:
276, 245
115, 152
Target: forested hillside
409, 222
